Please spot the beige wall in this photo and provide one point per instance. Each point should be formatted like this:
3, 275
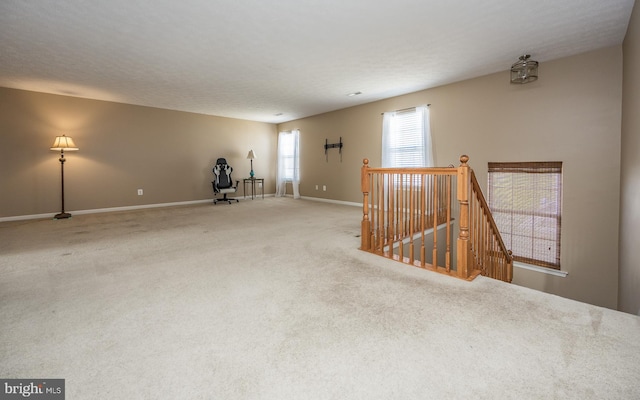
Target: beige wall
571, 114
629, 296
168, 154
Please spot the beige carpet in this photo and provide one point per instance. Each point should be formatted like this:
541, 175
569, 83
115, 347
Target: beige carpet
270, 299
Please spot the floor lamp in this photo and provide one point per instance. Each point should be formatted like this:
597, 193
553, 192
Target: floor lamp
61, 144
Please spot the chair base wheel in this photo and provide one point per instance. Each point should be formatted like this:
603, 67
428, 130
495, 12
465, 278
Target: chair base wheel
215, 201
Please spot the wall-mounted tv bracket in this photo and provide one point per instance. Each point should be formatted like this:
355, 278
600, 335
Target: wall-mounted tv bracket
328, 146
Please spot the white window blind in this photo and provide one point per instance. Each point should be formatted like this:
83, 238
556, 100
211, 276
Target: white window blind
526, 202
406, 139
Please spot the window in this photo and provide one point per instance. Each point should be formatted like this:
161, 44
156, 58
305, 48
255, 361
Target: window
288, 162
288, 157
406, 139
526, 202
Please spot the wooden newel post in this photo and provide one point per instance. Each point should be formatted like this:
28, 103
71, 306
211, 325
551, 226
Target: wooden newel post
462, 265
366, 224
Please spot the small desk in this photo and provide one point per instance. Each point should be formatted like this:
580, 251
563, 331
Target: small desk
252, 184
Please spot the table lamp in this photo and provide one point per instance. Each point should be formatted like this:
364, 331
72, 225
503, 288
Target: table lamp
251, 156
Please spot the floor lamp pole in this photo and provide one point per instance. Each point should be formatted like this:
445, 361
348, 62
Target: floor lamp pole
62, 213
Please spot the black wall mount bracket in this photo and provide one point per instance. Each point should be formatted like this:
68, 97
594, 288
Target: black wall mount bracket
328, 146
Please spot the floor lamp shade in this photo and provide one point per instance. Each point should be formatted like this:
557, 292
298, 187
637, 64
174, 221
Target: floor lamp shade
62, 143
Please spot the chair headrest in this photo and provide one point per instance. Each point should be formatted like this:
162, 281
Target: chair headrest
221, 165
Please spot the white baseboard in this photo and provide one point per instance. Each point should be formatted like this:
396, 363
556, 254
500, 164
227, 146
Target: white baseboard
105, 210
26, 217
320, 199
158, 205
543, 270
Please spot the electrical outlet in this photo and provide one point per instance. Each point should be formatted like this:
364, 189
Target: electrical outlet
324, 188
259, 184
140, 192
316, 187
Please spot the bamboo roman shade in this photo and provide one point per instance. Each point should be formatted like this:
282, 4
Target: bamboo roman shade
526, 201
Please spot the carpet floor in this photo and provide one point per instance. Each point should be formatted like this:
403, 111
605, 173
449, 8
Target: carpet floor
271, 299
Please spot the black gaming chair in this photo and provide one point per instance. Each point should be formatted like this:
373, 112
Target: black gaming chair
223, 183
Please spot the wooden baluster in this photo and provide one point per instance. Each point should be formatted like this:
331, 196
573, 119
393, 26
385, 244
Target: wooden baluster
448, 251
463, 237
390, 189
472, 226
479, 236
373, 239
497, 259
503, 263
423, 216
390, 208
401, 200
487, 232
365, 226
393, 208
473, 230
485, 245
436, 206
429, 199
398, 200
411, 218
485, 242
494, 257
473, 248
373, 212
418, 206
401, 230
388, 228
381, 236
398, 194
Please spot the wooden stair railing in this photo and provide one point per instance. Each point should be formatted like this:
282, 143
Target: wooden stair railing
487, 251
408, 216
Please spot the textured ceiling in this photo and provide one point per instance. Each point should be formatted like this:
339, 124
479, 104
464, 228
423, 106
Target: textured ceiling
253, 59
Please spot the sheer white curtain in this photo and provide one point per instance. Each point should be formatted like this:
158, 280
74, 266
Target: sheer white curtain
288, 163
406, 138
